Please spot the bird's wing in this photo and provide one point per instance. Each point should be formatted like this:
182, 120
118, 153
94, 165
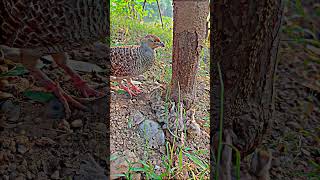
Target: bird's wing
123, 61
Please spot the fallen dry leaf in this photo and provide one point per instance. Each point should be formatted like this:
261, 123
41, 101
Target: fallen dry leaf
5, 95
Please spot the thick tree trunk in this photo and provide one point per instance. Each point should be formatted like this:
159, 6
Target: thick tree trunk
244, 42
188, 34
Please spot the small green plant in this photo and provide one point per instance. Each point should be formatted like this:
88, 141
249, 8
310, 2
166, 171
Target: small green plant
314, 173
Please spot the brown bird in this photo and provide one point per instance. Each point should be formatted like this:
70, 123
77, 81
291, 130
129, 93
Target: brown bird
130, 61
32, 29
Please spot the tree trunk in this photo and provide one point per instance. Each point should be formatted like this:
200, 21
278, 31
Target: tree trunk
244, 42
188, 34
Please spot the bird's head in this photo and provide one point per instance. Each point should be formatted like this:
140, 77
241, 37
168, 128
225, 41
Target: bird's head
152, 41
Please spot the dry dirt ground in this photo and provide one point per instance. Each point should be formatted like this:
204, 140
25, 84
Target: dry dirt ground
124, 129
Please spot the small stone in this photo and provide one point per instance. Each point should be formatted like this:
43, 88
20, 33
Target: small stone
141, 78
11, 110
313, 49
294, 125
29, 175
42, 175
276, 162
55, 175
194, 128
5, 177
76, 123
306, 152
20, 178
64, 125
54, 109
101, 127
37, 120
138, 118
44, 141
12, 167
21, 149
12, 146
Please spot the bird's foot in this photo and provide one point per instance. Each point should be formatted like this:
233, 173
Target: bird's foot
64, 98
134, 87
85, 90
127, 90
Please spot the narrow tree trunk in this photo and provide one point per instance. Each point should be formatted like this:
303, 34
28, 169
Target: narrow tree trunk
244, 42
188, 34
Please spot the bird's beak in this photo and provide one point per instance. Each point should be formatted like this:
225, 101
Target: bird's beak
161, 44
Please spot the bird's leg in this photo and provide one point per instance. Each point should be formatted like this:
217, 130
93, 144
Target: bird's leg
61, 60
134, 87
29, 58
126, 89
56, 89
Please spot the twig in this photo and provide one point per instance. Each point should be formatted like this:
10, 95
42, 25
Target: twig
160, 13
144, 3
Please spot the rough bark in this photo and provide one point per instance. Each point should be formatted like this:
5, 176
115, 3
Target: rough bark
244, 42
188, 34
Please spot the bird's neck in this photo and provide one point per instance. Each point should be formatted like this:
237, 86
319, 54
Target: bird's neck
146, 47
148, 54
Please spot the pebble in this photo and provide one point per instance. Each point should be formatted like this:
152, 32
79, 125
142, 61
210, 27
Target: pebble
138, 118
54, 109
306, 152
29, 175
276, 162
12, 146
55, 175
42, 175
12, 167
76, 123
64, 125
194, 128
101, 127
11, 110
21, 149
294, 125
37, 120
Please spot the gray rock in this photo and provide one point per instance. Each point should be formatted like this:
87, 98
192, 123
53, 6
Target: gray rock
55, 175
54, 109
11, 110
21, 149
138, 117
76, 123
152, 133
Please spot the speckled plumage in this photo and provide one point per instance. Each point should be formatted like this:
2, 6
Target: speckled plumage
52, 26
130, 61
31, 29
